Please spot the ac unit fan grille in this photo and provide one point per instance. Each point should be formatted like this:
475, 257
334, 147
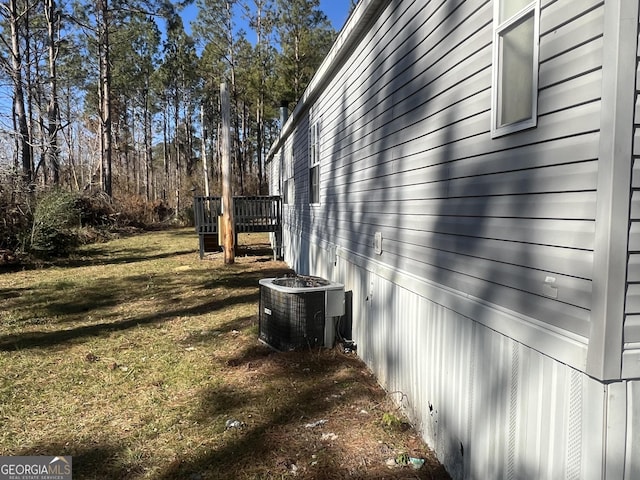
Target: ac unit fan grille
289, 321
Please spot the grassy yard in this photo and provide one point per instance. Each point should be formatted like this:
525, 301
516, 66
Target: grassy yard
135, 357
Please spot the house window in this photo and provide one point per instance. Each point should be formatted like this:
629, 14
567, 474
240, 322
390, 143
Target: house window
515, 66
314, 163
287, 192
287, 175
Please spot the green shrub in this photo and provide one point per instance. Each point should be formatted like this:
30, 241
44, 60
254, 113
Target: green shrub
55, 222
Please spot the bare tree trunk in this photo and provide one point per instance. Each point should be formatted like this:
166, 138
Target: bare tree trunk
105, 96
259, 128
165, 152
18, 96
148, 148
53, 108
176, 142
30, 70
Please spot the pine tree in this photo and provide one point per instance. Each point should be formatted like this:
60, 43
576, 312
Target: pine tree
305, 36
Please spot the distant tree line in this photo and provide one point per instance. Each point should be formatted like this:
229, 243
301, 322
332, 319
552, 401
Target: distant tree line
115, 96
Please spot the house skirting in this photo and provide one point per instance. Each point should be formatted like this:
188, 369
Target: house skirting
489, 405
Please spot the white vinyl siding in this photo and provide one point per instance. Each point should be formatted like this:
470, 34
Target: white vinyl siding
406, 124
515, 66
631, 335
486, 302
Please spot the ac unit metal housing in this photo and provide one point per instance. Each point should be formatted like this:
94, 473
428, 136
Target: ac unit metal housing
298, 312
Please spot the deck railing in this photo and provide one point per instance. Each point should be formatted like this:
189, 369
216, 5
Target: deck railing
257, 214
251, 214
206, 211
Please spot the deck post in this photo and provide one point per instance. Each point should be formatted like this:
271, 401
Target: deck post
227, 194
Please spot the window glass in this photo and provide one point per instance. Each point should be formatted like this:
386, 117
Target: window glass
285, 192
516, 75
515, 66
508, 8
314, 163
314, 184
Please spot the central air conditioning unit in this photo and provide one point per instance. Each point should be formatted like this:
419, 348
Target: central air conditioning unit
298, 312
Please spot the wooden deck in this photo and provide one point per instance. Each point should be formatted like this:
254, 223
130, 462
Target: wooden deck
251, 214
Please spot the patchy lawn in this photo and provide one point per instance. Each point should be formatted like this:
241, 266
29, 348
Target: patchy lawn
142, 361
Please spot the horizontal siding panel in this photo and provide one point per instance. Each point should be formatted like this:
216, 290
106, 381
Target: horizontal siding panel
570, 262
631, 332
428, 118
631, 365
583, 89
390, 129
584, 58
633, 270
570, 149
635, 205
407, 57
473, 111
566, 289
570, 206
561, 13
413, 140
454, 83
367, 61
568, 317
560, 233
471, 137
634, 237
636, 161
378, 92
581, 30
417, 184
436, 89
558, 314
636, 141
633, 299
632, 329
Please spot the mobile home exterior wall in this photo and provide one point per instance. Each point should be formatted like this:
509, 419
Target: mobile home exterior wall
488, 271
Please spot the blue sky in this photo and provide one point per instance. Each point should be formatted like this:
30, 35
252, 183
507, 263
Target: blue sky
336, 10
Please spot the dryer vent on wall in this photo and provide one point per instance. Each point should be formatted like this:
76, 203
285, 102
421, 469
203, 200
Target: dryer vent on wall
298, 312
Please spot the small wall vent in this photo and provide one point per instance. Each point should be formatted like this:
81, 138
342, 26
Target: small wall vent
298, 312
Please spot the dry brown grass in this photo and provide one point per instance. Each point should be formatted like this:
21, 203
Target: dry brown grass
133, 356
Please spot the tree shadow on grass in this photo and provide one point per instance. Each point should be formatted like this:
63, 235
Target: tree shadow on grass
68, 302
217, 334
40, 339
234, 279
97, 256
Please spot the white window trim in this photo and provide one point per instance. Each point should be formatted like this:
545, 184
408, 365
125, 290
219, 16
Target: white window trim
498, 28
314, 156
287, 174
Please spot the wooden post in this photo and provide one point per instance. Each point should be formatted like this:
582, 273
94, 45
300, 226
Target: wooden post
227, 194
